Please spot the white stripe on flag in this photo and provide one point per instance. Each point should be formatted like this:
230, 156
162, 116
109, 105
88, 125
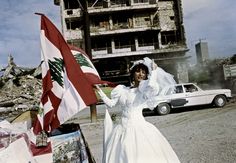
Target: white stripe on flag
47, 106
49, 51
71, 103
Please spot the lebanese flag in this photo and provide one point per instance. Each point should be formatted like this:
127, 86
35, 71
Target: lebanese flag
66, 89
87, 67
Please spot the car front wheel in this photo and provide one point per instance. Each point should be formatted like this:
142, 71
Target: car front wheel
220, 101
163, 109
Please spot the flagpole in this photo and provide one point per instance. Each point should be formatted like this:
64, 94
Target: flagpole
87, 40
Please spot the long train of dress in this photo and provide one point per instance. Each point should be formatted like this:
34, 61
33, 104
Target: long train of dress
136, 141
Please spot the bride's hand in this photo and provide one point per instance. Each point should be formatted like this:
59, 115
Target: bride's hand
96, 86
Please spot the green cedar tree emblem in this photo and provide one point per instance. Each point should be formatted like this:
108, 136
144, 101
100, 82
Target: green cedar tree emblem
82, 60
56, 68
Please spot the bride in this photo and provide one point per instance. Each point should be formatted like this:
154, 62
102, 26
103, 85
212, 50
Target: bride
134, 140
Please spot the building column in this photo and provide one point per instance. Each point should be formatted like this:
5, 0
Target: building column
112, 46
136, 43
182, 72
159, 40
62, 8
110, 23
133, 21
108, 3
131, 2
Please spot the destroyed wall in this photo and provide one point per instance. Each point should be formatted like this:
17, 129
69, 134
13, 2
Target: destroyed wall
166, 15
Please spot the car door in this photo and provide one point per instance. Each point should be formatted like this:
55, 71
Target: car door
178, 98
193, 95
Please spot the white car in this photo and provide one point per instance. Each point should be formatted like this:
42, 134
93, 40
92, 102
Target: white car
188, 94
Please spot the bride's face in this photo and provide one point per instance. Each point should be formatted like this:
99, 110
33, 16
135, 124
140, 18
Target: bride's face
139, 75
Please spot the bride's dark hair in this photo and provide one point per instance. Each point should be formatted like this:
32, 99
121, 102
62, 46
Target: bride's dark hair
137, 68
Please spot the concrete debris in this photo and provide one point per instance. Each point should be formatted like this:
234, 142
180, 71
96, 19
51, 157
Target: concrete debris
20, 90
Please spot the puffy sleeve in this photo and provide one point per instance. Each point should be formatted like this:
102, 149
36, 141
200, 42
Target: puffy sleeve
157, 80
115, 96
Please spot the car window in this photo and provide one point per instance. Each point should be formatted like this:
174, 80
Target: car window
190, 88
179, 89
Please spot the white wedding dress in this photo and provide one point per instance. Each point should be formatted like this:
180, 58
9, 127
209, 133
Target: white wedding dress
134, 140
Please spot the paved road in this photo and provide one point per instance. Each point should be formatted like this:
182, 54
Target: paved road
198, 135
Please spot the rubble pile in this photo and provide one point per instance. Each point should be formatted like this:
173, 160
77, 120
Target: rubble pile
20, 90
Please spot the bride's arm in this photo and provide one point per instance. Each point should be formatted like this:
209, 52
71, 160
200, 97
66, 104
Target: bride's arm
157, 80
109, 102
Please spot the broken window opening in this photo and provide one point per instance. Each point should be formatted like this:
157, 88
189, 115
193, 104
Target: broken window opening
73, 25
98, 4
119, 2
124, 41
168, 37
98, 45
69, 12
71, 4
142, 20
121, 21
147, 39
100, 22
141, 1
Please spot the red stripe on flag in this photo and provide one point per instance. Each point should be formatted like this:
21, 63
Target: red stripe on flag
37, 126
74, 73
50, 118
46, 83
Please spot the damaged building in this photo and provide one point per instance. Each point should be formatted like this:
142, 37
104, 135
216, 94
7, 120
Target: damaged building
123, 31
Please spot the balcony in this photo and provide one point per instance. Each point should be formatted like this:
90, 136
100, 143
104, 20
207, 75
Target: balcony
73, 34
96, 31
115, 8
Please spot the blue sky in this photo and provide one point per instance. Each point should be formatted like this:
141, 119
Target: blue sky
20, 29
210, 20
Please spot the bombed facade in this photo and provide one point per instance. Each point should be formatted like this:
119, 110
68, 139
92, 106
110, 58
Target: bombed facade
122, 31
